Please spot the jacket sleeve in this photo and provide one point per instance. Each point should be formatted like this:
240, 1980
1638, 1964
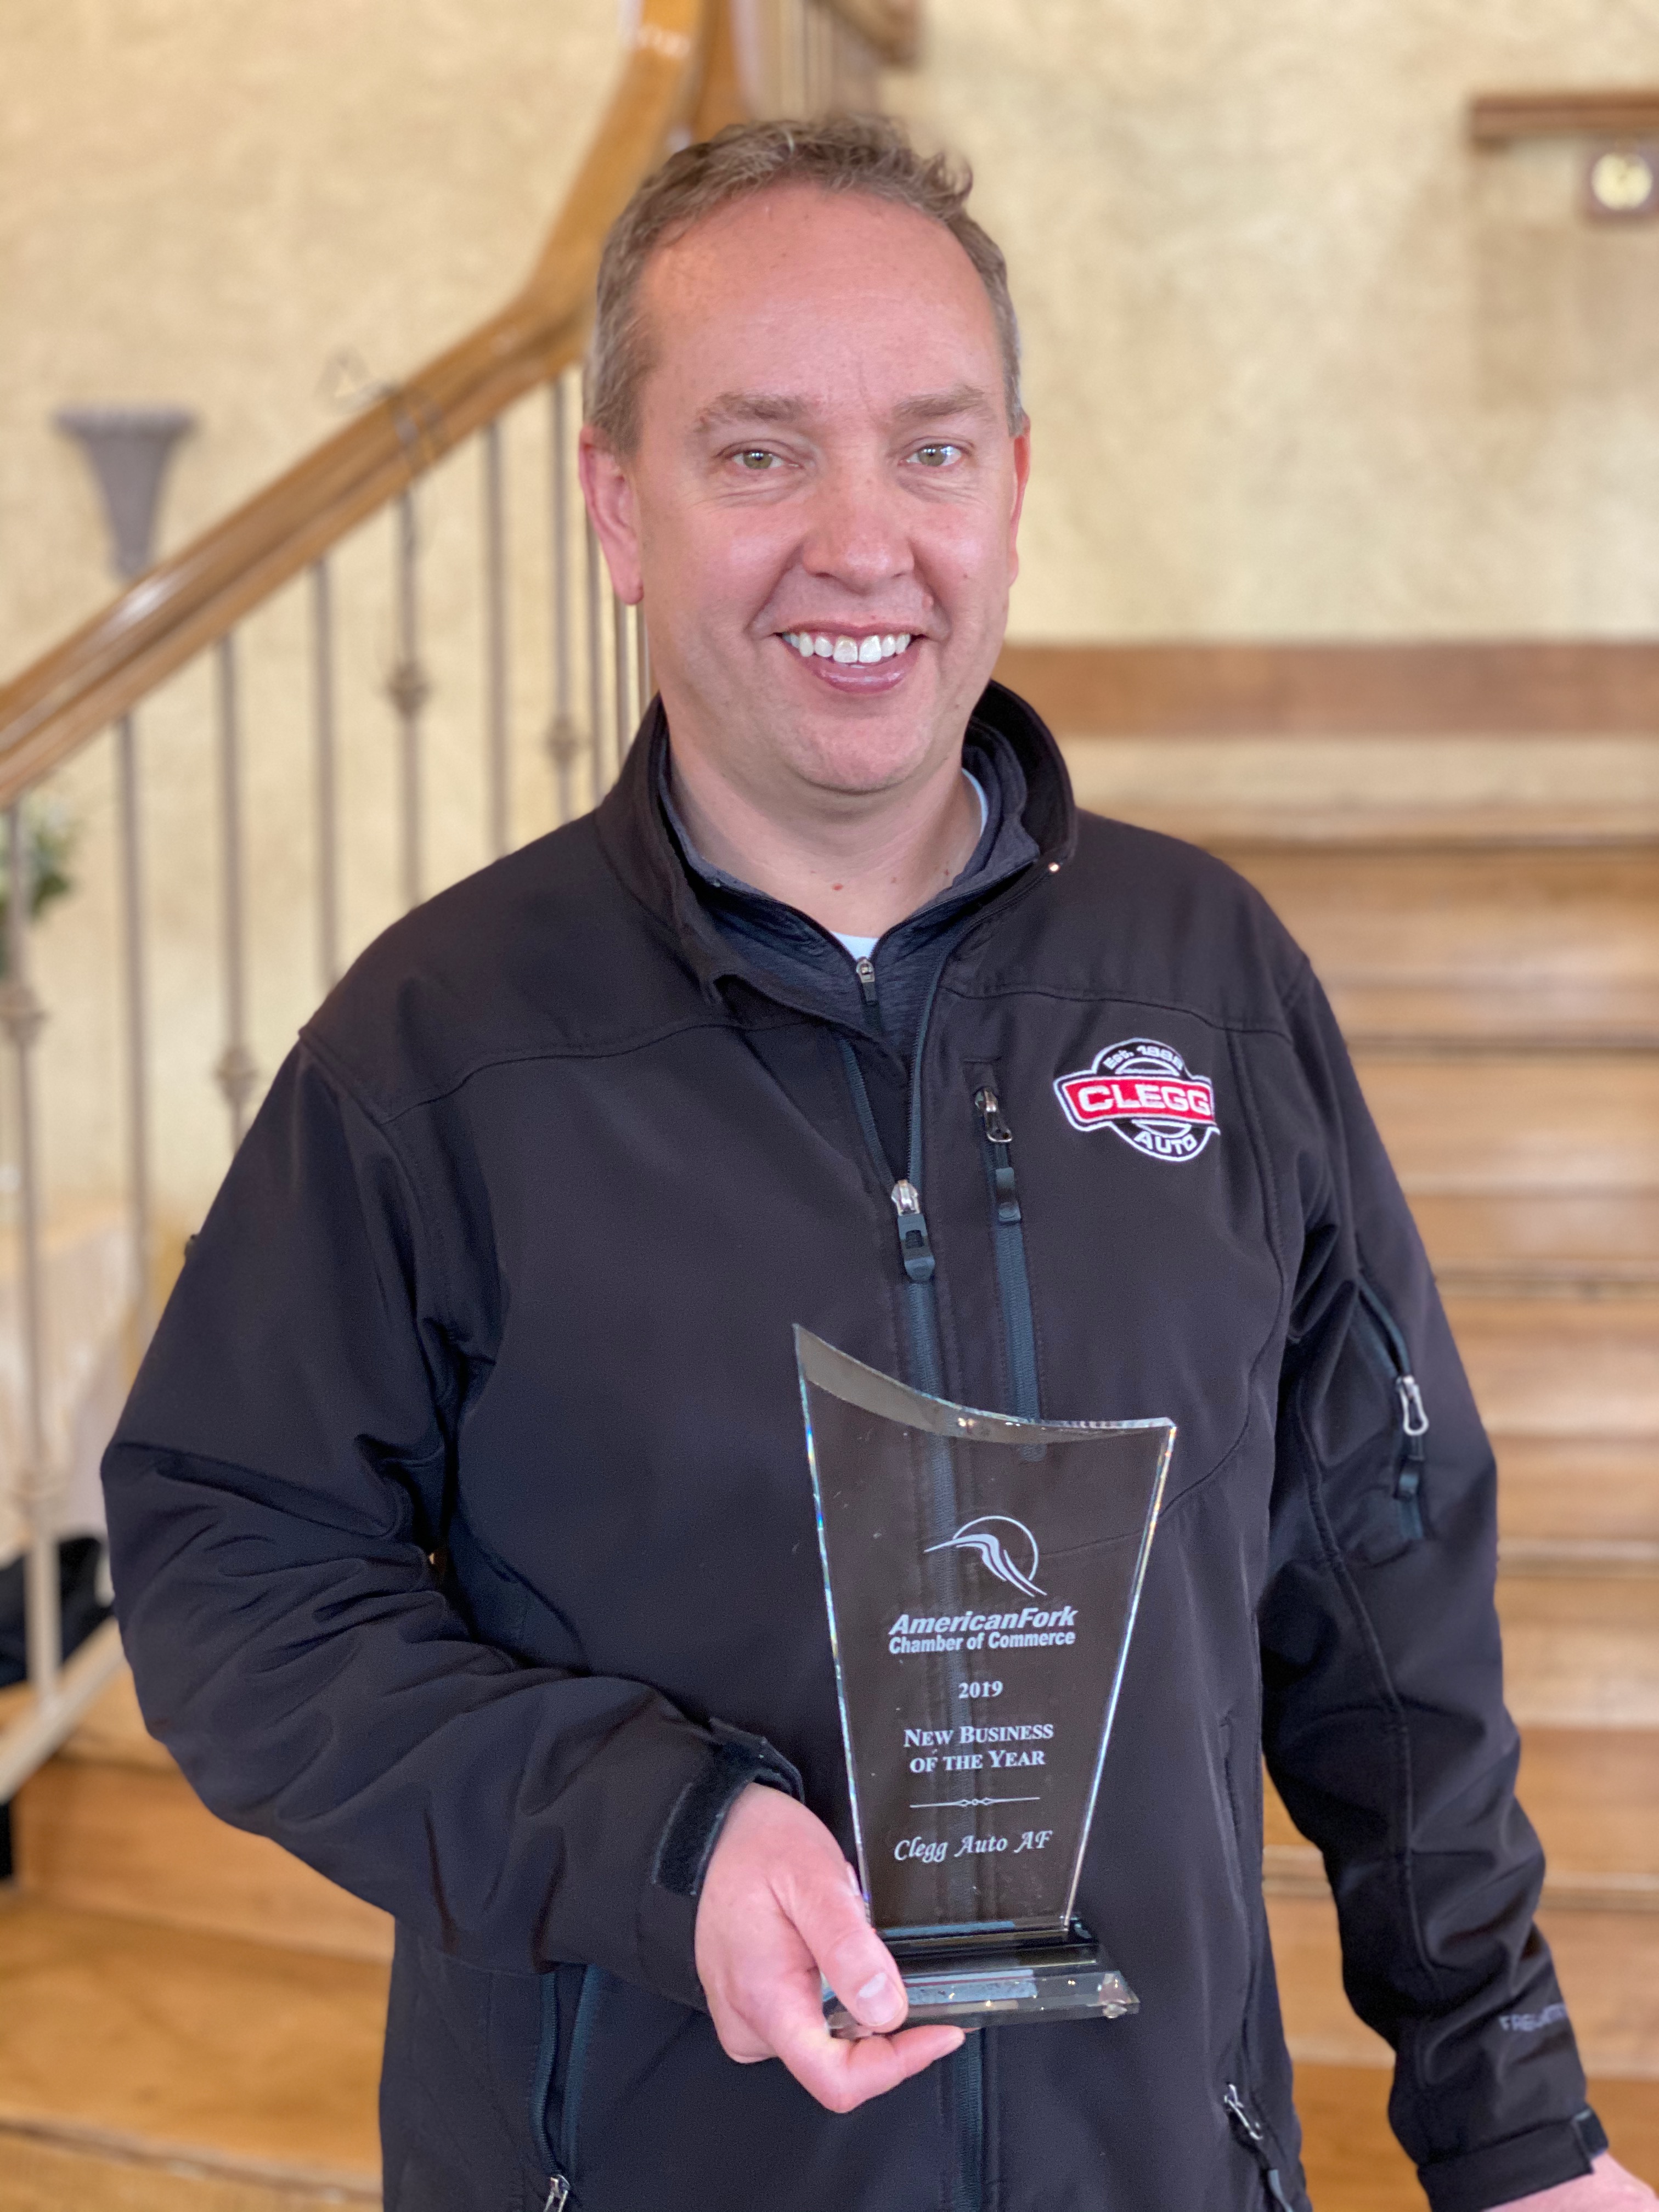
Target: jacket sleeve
277, 1488
1384, 1723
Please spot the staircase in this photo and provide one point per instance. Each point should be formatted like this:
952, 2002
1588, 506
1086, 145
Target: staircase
1496, 971
192, 2019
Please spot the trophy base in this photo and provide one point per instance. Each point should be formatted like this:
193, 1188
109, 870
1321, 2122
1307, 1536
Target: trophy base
967, 1981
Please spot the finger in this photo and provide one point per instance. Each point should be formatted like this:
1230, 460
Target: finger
842, 2075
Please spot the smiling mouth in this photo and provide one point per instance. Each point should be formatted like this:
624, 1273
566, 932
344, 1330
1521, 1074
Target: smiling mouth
833, 645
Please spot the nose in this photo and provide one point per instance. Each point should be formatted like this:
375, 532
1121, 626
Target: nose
857, 533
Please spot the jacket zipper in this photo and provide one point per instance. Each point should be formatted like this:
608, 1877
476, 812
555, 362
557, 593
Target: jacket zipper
1413, 1416
865, 969
558, 2189
580, 2036
1008, 1245
1254, 2137
967, 2181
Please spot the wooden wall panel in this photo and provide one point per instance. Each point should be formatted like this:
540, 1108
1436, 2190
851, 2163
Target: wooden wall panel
1548, 688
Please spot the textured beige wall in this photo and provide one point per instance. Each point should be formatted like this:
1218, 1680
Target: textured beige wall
208, 202
1301, 363
203, 201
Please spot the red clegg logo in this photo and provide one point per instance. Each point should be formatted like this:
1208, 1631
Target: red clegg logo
1141, 1089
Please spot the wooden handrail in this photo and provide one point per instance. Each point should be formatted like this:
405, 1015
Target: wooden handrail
1498, 118
185, 602
891, 27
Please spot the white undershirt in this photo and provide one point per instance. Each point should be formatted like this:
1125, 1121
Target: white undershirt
862, 947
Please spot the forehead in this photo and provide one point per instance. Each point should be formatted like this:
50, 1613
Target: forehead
844, 298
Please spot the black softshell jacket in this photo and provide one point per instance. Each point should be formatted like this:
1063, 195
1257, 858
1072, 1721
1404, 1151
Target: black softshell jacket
463, 1542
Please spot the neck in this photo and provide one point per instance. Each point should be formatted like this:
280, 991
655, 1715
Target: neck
857, 862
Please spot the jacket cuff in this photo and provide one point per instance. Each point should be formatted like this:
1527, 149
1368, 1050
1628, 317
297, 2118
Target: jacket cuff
693, 1827
1518, 2166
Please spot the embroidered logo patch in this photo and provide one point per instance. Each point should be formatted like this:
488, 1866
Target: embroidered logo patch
1141, 1089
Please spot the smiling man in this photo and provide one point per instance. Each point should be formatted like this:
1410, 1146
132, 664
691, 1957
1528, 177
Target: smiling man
461, 1523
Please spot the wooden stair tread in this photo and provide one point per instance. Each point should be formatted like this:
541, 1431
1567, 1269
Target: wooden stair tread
1562, 1367
113, 1732
1508, 921
1588, 1488
1354, 2163
1593, 1796
1580, 1650
112, 1837
44, 2173
1240, 831
1608, 1964
1550, 1236
1465, 1020
245, 2058
1516, 1122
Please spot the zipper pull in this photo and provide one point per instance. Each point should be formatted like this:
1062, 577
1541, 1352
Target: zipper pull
558, 2194
998, 1133
1414, 1418
1250, 2127
865, 969
1255, 2138
914, 1248
1414, 1426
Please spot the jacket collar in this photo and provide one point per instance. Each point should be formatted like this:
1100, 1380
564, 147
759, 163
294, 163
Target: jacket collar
636, 838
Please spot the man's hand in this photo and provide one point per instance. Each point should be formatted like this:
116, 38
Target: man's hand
780, 1906
1605, 2188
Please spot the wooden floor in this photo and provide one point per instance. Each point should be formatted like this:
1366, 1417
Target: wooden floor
193, 2021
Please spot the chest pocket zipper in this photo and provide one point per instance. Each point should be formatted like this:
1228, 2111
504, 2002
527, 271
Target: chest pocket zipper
1413, 1414
1008, 1246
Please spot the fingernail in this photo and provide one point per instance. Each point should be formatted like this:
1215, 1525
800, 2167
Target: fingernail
879, 1990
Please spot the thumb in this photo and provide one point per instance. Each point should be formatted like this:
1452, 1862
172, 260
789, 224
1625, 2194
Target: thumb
851, 1957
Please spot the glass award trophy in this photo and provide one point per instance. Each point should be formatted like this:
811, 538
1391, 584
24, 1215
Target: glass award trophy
981, 1575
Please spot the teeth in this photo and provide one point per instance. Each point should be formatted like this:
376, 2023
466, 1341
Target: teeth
865, 650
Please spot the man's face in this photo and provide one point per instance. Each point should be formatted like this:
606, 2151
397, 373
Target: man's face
824, 454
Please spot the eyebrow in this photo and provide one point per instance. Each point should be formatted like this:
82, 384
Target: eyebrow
787, 408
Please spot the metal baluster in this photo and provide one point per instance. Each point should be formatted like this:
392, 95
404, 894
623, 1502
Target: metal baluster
408, 689
328, 794
622, 657
595, 659
237, 1071
562, 739
22, 1016
803, 56
495, 530
132, 926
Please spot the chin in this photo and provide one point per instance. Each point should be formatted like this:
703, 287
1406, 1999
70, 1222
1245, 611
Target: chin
861, 760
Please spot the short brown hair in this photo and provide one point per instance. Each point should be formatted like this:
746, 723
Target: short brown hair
833, 153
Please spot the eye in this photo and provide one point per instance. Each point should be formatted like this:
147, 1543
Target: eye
937, 456
757, 460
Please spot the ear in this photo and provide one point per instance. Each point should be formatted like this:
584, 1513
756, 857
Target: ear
1022, 477
609, 491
